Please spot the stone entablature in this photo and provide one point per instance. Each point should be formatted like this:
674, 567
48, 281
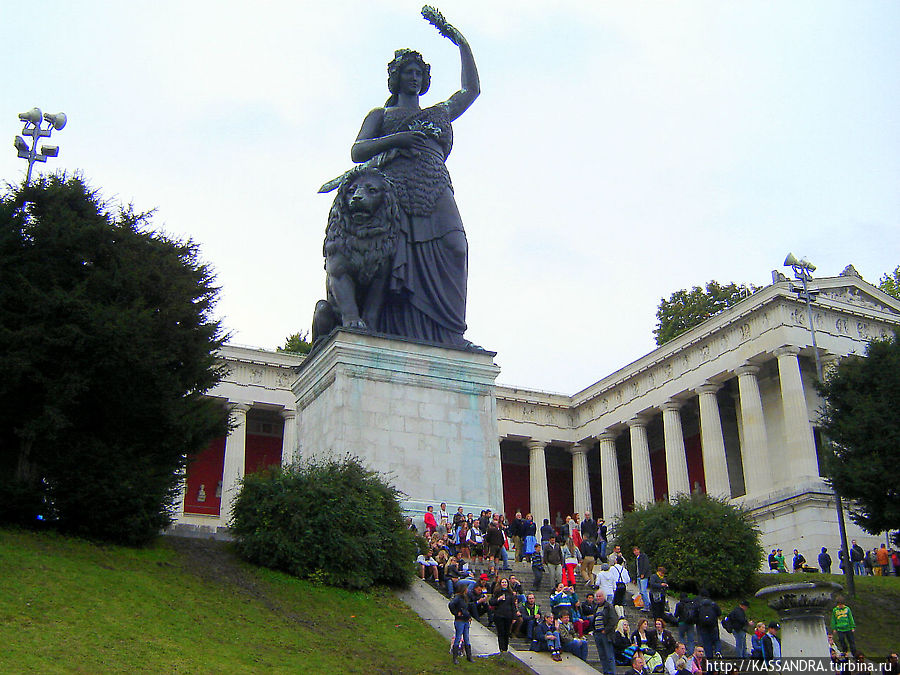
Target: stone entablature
257, 376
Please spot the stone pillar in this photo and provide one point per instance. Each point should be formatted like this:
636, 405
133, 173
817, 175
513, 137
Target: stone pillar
715, 466
676, 460
801, 609
289, 438
798, 434
609, 477
540, 496
640, 461
235, 457
581, 482
755, 449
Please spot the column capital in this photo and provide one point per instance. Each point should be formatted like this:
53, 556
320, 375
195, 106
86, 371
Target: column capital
533, 445
708, 388
672, 404
578, 449
607, 436
287, 413
787, 349
637, 422
747, 369
239, 407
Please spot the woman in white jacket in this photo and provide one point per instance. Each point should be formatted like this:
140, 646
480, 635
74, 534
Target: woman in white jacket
615, 585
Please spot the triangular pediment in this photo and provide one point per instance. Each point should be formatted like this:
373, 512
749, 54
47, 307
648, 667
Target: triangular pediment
853, 295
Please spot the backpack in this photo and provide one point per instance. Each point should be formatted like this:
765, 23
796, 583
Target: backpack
706, 615
689, 612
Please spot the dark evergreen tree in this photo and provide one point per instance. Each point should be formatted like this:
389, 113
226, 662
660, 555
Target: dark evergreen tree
862, 400
106, 349
686, 309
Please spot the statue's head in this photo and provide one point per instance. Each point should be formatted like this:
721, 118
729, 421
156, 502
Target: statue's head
402, 59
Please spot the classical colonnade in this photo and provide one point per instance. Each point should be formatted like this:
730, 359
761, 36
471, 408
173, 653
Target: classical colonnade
792, 448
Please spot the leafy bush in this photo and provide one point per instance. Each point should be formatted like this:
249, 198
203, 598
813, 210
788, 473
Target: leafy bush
330, 520
702, 542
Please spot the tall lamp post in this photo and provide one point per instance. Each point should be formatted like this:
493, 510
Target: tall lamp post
803, 270
33, 120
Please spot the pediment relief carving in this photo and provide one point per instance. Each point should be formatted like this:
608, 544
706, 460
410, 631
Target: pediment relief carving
856, 297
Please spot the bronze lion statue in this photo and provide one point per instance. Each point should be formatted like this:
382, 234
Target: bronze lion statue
360, 242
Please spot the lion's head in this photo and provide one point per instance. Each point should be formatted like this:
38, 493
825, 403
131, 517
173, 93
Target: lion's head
364, 220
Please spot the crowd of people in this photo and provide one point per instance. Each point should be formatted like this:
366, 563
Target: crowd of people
880, 561
466, 557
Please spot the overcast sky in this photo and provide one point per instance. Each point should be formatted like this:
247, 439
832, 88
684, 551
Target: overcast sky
619, 151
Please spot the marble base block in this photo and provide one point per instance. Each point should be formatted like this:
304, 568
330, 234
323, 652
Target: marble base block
422, 414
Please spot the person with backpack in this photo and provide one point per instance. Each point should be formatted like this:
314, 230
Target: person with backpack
737, 623
621, 578
463, 610
686, 616
657, 587
708, 613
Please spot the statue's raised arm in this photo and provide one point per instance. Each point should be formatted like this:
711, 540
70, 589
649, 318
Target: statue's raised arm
470, 87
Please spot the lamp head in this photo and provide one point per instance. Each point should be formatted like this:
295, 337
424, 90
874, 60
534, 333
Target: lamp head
34, 116
58, 121
20, 144
49, 150
803, 263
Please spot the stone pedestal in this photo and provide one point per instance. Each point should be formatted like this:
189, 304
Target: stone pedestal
801, 610
425, 415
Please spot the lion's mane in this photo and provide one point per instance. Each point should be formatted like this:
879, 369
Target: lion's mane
366, 248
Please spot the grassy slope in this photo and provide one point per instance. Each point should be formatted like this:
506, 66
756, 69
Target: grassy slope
876, 608
68, 606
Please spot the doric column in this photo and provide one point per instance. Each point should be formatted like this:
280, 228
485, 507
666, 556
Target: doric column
676, 459
539, 496
289, 438
640, 461
798, 435
715, 467
755, 450
609, 477
235, 456
581, 482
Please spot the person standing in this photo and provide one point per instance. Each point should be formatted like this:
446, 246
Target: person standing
529, 537
553, 559
771, 647
621, 578
857, 555
883, 560
708, 613
463, 611
604, 625
589, 527
843, 625
504, 604
737, 624
642, 573
657, 587
825, 561
686, 615
547, 531
537, 567
588, 559
515, 533
603, 539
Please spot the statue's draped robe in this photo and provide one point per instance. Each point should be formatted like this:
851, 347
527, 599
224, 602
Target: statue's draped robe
428, 279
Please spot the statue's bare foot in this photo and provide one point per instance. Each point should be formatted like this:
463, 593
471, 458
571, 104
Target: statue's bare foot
356, 323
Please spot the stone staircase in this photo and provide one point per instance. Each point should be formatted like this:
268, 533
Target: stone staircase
523, 573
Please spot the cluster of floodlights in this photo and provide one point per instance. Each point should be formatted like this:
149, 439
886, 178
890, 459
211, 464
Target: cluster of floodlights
33, 120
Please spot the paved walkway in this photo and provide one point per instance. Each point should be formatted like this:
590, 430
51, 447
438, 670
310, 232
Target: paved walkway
432, 607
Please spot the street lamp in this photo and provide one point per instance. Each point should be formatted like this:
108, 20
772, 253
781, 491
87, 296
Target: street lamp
33, 119
803, 270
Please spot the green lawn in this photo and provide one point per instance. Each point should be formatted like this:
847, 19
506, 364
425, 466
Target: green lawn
876, 608
68, 606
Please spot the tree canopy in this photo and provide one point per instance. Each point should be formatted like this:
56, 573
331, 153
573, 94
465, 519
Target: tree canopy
106, 349
296, 343
685, 309
862, 399
890, 283
702, 542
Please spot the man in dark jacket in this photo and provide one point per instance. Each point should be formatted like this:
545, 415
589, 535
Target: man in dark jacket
736, 623
708, 613
602, 539
547, 531
657, 587
589, 527
857, 555
771, 647
642, 575
515, 533
553, 560
604, 624
825, 561
588, 558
